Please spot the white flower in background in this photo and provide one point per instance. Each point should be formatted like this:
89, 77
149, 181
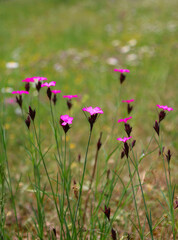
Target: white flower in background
58, 67
112, 61
125, 49
115, 43
132, 42
12, 65
131, 57
6, 90
18, 111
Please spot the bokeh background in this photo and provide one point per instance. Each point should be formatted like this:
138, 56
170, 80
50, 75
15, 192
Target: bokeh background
78, 44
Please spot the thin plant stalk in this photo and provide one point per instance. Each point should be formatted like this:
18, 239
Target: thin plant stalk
82, 180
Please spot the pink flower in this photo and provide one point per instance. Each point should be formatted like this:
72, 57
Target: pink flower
66, 120
165, 108
20, 92
55, 91
39, 78
124, 139
124, 120
10, 100
28, 80
93, 110
128, 101
122, 70
70, 96
48, 84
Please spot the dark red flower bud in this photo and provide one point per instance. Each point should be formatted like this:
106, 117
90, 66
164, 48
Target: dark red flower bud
162, 115
92, 120
38, 86
122, 154
49, 93
19, 100
129, 108
65, 127
160, 151
128, 129
99, 142
113, 234
28, 121
27, 86
156, 127
32, 113
79, 158
168, 156
176, 204
126, 149
69, 104
107, 212
54, 99
54, 232
122, 78
133, 143
108, 173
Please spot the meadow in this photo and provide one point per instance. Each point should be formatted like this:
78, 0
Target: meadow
81, 182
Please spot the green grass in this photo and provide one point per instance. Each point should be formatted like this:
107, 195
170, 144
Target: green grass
79, 37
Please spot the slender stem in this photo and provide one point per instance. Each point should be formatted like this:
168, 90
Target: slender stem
135, 202
81, 183
44, 164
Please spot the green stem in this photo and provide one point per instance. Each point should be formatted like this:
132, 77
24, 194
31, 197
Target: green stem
81, 183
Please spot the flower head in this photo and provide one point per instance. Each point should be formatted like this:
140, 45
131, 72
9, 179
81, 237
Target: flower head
20, 92
39, 78
28, 80
162, 115
122, 70
124, 119
128, 101
48, 84
55, 91
32, 113
65, 120
93, 111
124, 139
70, 96
165, 108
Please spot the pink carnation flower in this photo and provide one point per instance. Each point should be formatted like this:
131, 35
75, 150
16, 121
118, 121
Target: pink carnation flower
48, 84
70, 96
39, 78
124, 139
55, 91
128, 101
66, 120
122, 70
28, 80
20, 92
124, 119
93, 110
165, 108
